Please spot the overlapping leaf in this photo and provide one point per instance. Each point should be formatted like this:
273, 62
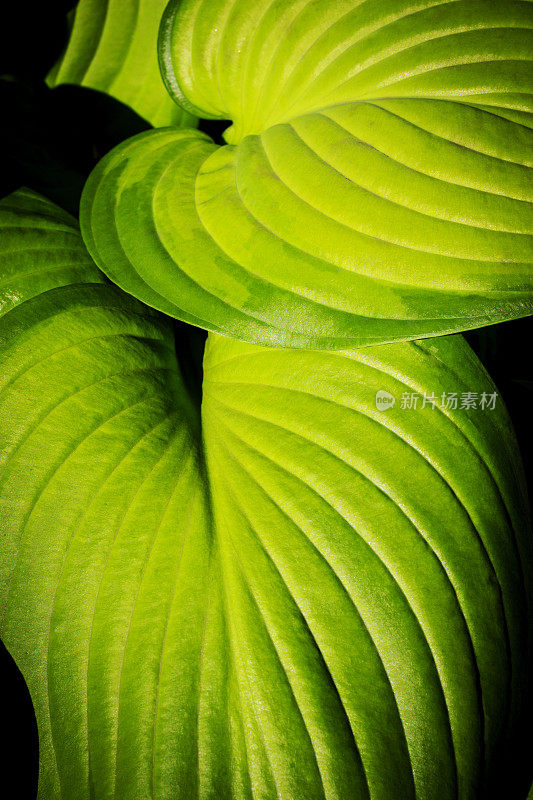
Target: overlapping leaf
112, 48
248, 599
376, 184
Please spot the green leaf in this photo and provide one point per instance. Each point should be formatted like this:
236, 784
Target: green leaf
376, 185
248, 599
112, 48
267, 62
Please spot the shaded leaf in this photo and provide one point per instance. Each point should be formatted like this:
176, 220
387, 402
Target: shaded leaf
56, 136
112, 48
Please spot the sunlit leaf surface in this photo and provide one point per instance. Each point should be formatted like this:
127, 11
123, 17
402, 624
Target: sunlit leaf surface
284, 592
376, 184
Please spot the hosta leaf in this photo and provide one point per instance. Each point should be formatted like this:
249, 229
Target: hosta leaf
376, 185
248, 599
269, 61
112, 48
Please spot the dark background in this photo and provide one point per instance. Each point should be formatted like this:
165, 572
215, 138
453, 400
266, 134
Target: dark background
49, 142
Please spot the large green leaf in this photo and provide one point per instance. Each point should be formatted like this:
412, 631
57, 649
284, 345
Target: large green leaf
112, 48
250, 599
376, 185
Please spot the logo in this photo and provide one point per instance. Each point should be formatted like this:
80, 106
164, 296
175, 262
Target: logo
384, 400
